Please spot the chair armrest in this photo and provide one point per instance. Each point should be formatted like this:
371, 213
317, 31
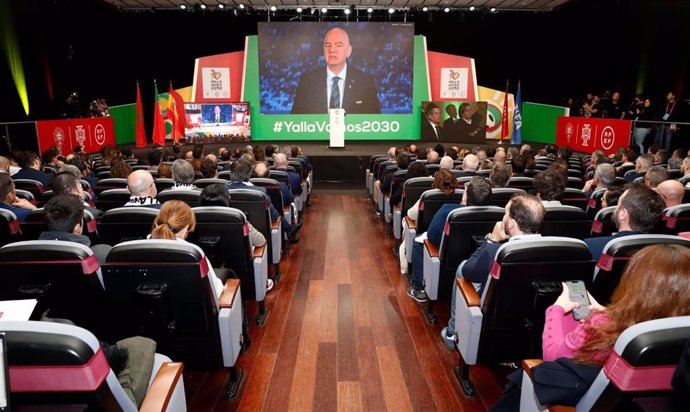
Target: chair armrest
431, 248
276, 223
259, 250
528, 364
411, 224
227, 298
161, 389
397, 207
468, 292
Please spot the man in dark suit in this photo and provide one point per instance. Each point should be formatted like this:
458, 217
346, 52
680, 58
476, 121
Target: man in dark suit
451, 124
431, 130
345, 86
468, 126
639, 209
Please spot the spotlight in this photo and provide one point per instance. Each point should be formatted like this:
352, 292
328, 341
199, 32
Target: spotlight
241, 6
299, 10
202, 6
274, 8
425, 9
447, 9
370, 10
472, 8
324, 10
391, 10
493, 10
183, 6
221, 6
347, 11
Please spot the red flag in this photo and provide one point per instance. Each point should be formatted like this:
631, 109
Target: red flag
504, 118
181, 115
140, 133
158, 121
173, 116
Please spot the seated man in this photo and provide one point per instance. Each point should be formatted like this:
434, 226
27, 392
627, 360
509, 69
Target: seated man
209, 168
66, 183
499, 176
639, 209
261, 170
642, 164
549, 186
64, 215
672, 191
655, 176
280, 162
30, 165
477, 193
10, 201
604, 176
183, 175
522, 220
142, 187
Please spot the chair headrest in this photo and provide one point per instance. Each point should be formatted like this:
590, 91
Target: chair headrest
543, 249
155, 251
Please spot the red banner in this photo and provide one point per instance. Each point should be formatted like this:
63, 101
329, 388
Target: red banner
92, 133
452, 78
586, 135
218, 78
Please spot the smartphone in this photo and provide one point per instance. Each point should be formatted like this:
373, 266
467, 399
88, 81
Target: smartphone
578, 293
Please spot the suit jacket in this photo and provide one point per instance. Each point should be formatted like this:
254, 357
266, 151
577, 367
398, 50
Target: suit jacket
451, 129
359, 93
428, 133
596, 244
33, 174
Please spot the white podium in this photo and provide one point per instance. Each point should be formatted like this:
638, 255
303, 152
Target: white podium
337, 126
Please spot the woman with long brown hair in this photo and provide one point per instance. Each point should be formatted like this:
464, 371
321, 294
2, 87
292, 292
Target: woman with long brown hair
174, 222
445, 181
655, 284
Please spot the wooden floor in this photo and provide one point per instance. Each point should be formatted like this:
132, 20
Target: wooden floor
341, 333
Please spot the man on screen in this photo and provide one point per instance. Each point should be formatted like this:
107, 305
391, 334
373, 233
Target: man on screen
431, 130
340, 86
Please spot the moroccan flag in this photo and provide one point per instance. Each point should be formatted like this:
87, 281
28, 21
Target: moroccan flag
517, 118
158, 122
173, 116
504, 119
140, 132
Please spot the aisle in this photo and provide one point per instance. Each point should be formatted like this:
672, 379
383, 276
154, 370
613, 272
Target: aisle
342, 333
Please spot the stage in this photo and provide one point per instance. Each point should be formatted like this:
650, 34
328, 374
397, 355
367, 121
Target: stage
345, 164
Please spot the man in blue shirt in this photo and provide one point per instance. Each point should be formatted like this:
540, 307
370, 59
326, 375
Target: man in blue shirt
10, 201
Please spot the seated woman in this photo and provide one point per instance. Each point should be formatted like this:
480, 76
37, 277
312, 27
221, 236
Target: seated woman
654, 285
174, 222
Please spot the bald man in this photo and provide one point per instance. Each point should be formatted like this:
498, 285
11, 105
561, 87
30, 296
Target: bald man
672, 191
142, 188
338, 86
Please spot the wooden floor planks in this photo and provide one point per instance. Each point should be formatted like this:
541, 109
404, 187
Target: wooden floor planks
341, 333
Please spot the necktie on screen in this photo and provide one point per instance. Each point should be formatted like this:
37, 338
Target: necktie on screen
335, 94
437, 132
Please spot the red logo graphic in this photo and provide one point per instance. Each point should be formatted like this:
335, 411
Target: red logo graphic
454, 75
216, 75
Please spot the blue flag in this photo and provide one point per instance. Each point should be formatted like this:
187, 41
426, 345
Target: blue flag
517, 119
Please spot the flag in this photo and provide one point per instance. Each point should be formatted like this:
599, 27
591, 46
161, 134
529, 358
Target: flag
158, 122
173, 116
517, 118
504, 119
174, 99
139, 128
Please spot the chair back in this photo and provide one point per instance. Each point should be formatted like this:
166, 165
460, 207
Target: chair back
255, 207
190, 197
569, 221
432, 168
272, 189
603, 225
202, 183
501, 196
520, 182
35, 223
641, 366
594, 202
575, 197
110, 183
163, 183
10, 230
112, 198
430, 202
34, 186
677, 218
280, 175
412, 191
123, 224
161, 289
523, 282
615, 256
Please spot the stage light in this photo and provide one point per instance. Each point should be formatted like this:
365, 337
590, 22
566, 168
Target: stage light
221, 6
299, 10
493, 10
274, 8
447, 9
13, 54
241, 6
472, 8
183, 6
370, 10
202, 6
324, 10
391, 10
425, 9
347, 11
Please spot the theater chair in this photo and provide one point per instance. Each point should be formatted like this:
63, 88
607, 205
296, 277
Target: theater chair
10, 230
464, 230
110, 183
575, 197
506, 323
274, 192
64, 277
369, 174
677, 219
161, 289
640, 368
602, 225
615, 257
35, 223
520, 182
25, 194
381, 200
429, 203
163, 183
412, 191
594, 202
112, 198
255, 206
59, 367
126, 223
569, 221
202, 183
396, 182
501, 196
282, 176
190, 197
34, 186
223, 234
